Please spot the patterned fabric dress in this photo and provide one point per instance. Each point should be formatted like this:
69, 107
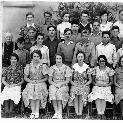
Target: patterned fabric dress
102, 77
80, 79
119, 91
59, 75
12, 76
35, 90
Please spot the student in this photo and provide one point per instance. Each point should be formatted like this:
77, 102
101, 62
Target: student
35, 74
52, 43
44, 49
67, 47
59, 77
84, 24
119, 53
105, 25
107, 49
114, 37
65, 24
75, 36
30, 23
118, 81
12, 78
80, 84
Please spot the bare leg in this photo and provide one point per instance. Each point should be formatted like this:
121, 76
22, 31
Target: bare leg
80, 105
59, 109
37, 106
33, 106
76, 104
55, 105
98, 105
103, 106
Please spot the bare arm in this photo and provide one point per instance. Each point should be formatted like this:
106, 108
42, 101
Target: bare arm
90, 80
4, 82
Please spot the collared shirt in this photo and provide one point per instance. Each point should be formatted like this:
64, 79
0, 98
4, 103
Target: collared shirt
67, 50
28, 25
24, 57
76, 37
96, 39
88, 49
61, 27
109, 51
120, 25
52, 46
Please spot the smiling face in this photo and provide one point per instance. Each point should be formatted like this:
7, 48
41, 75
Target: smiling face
104, 17
58, 60
40, 39
84, 17
115, 33
51, 32
20, 45
66, 18
30, 19
106, 38
36, 58
101, 62
80, 57
13, 60
75, 27
96, 26
67, 35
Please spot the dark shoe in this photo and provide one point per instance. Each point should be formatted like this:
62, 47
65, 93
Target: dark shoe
103, 117
99, 116
7, 115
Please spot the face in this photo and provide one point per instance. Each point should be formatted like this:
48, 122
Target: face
40, 39
31, 34
66, 17
106, 38
101, 62
67, 35
80, 57
115, 32
58, 59
121, 16
96, 26
52, 31
121, 61
47, 17
84, 17
13, 60
75, 27
36, 58
20, 46
8, 38
85, 37
30, 19
104, 17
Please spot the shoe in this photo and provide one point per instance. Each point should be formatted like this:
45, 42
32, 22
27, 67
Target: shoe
103, 117
32, 116
36, 115
99, 116
59, 116
55, 116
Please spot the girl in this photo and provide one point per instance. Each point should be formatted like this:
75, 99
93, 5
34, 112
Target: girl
59, 77
12, 78
80, 84
35, 93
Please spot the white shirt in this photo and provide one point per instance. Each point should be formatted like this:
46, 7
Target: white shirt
105, 27
109, 51
61, 27
120, 51
80, 69
28, 25
120, 25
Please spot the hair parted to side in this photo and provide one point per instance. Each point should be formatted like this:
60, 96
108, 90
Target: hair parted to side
37, 52
15, 55
60, 54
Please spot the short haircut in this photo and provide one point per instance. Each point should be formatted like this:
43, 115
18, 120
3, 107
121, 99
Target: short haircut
8, 34
85, 32
78, 52
20, 40
120, 11
32, 28
47, 12
119, 62
67, 29
104, 57
115, 27
39, 34
37, 52
60, 54
75, 21
52, 27
106, 32
95, 21
85, 12
15, 55
104, 12
30, 13
64, 13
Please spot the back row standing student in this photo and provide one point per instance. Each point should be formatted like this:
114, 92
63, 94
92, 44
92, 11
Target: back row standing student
65, 24
67, 47
52, 43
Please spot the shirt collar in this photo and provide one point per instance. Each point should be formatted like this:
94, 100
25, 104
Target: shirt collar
92, 34
67, 43
33, 25
83, 24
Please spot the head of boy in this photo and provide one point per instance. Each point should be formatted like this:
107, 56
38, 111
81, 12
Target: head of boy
65, 16
67, 33
20, 43
115, 31
47, 16
106, 37
75, 25
30, 17
84, 16
51, 30
96, 25
85, 35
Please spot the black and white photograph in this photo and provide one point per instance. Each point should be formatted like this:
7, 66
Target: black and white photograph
61, 60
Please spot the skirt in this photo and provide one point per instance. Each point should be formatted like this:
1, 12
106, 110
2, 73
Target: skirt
59, 94
35, 92
101, 93
13, 93
118, 95
78, 90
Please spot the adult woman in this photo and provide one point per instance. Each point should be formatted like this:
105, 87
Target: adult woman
59, 77
102, 79
35, 92
12, 78
118, 81
80, 88
44, 49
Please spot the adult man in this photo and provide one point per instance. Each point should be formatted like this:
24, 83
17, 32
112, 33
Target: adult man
52, 43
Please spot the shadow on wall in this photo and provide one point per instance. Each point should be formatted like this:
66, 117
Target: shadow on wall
14, 14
